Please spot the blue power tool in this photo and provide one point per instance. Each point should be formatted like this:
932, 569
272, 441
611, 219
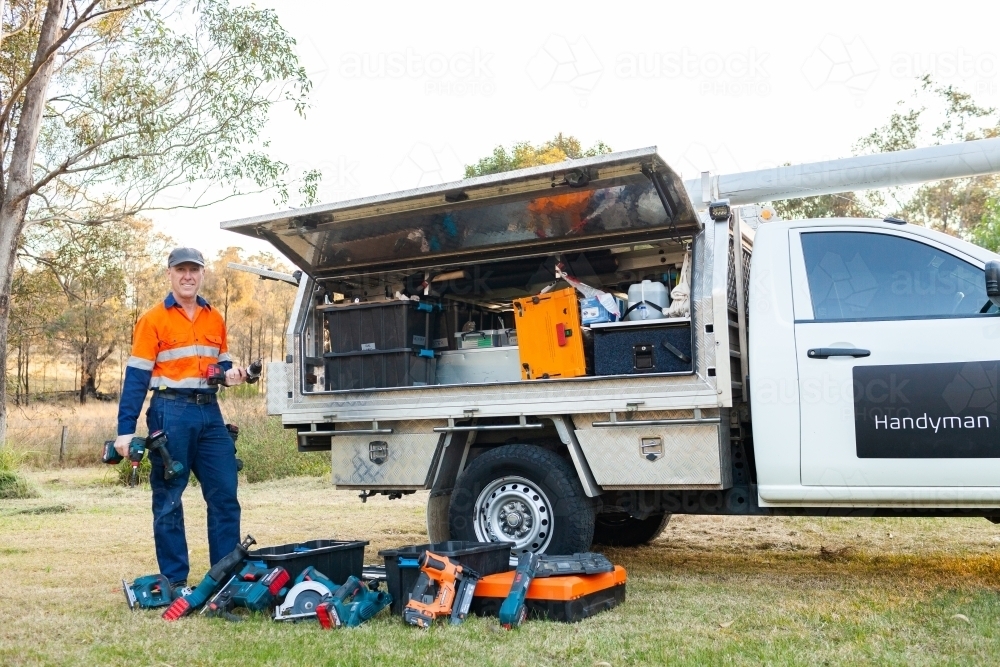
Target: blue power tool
351, 605
513, 610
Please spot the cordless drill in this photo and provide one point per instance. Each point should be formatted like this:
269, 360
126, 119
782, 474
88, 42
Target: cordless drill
136, 450
216, 376
157, 442
234, 433
220, 573
443, 587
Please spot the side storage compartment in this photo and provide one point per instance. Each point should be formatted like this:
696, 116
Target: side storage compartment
399, 460
656, 450
651, 346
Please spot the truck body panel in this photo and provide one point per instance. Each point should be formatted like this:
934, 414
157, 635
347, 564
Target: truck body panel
765, 422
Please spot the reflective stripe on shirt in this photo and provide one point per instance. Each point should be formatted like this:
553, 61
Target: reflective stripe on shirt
156, 382
188, 351
140, 363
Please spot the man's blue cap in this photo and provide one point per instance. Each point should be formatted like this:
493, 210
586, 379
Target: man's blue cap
182, 255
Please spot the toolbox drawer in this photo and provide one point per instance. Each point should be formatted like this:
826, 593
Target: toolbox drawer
398, 460
633, 348
660, 456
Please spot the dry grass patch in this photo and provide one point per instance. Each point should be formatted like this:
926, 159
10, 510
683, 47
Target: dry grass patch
702, 594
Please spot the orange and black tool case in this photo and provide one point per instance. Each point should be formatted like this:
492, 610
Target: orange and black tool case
568, 598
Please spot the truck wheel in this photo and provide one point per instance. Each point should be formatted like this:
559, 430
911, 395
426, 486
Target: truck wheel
522, 494
618, 529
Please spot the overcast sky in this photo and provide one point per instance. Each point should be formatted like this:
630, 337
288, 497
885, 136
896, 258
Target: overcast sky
406, 94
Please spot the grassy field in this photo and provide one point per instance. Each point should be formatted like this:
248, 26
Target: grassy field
710, 591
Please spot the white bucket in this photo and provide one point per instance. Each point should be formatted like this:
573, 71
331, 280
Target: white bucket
646, 300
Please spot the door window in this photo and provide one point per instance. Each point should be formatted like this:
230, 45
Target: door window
864, 276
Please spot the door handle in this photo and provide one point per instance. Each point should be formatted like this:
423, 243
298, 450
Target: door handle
827, 352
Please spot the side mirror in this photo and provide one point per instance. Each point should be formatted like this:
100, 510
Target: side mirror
993, 281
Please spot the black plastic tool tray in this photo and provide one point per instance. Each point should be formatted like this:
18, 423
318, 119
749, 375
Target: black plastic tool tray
484, 557
337, 559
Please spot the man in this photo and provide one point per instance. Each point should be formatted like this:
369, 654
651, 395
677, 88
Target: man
172, 347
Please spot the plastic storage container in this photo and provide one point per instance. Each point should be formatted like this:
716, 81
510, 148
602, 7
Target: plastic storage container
337, 559
401, 568
381, 344
646, 301
374, 370
549, 338
592, 311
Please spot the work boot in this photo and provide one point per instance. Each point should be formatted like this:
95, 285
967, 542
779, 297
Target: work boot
179, 589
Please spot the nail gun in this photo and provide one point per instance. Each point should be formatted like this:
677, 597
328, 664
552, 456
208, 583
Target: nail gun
443, 587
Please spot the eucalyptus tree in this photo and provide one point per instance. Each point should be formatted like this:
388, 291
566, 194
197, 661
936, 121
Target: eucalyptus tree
105, 105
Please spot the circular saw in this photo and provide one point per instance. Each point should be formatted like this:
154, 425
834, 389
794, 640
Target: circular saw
301, 601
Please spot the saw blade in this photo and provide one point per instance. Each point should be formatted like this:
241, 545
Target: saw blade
301, 601
129, 595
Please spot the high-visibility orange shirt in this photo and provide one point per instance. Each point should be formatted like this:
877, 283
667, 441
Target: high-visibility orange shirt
171, 351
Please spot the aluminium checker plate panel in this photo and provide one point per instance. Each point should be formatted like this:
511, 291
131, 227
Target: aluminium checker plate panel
398, 460
665, 456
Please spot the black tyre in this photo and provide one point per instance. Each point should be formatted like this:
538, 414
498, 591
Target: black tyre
618, 529
522, 494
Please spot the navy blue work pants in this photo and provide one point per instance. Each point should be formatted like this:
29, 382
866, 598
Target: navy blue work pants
198, 439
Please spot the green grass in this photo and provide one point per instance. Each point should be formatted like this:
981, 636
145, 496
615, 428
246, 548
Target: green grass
13, 484
712, 590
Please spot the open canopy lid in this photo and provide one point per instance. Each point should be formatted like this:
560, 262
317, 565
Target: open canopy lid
570, 205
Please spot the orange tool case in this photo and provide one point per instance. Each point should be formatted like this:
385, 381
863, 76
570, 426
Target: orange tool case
550, 342
569, 598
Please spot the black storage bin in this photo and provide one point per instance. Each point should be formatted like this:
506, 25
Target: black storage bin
337, 559
381, 344
382, 326
627, 348
374, 370
484, 557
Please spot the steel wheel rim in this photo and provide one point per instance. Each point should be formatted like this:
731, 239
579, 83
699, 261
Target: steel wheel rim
514, 509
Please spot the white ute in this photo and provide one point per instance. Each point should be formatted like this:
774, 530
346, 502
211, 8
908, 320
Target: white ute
818, 367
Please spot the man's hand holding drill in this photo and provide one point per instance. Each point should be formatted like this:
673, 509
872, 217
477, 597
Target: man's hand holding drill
235, 376
122, 443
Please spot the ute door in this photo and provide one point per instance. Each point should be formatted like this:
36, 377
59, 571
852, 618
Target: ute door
897, 364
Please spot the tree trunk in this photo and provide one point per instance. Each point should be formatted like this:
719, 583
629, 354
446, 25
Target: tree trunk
19, 180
